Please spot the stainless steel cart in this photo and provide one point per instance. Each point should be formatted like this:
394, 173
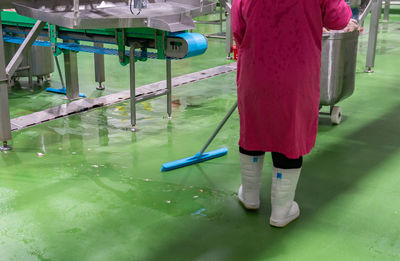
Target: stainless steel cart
339, 58
38, 62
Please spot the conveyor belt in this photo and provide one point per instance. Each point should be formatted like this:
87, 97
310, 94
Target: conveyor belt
196, 45
78, 47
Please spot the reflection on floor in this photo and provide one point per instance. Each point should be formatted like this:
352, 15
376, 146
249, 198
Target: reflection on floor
85, 188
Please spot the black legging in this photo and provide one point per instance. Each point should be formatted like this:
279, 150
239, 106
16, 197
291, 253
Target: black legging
279, 160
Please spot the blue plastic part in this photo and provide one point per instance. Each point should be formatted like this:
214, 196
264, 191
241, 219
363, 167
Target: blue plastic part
62, 91
197, 43
194, 159
197, 46
19, 40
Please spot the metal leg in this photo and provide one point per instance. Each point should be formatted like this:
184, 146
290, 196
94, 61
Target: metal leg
71, 75
387, 11
5, 123
39, 80
220, 19
76, 12
133, 87
169, 89
30, 77
373, 36
99, 68
229, 34
28, 68
59, 72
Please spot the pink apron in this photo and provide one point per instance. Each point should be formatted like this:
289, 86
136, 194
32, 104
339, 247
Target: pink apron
279, 65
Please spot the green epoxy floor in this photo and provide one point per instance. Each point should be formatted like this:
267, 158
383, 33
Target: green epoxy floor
85, 188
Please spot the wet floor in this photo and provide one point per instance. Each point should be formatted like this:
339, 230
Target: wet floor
85, 188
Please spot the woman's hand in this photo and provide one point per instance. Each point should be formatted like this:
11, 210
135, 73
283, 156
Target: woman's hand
352, 26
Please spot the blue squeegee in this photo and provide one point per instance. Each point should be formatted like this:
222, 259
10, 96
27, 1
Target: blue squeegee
62, 90
202, 155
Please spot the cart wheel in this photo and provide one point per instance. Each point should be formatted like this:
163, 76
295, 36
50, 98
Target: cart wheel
48, 77
336, 115
39, 80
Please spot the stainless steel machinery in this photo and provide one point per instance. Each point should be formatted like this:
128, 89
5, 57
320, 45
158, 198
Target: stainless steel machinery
38, 62
225, 6
165, 20
168, 15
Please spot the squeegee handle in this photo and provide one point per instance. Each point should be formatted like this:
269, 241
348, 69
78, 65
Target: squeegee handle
59, 72
227, 116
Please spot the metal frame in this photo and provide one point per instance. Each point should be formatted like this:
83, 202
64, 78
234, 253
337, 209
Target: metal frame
167, 15
60, 72
387, 11
169, 88
132, 61
376, 13
71, 74
19, 56
5, 124
6, 73
71, 85
99, 68
229, 33
228, 36
220, 21
177, 20
133, 99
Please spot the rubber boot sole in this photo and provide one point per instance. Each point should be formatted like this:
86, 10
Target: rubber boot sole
284, 224
249, 207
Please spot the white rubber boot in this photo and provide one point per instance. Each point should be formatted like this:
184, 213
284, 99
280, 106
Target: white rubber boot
249, 191
284, 209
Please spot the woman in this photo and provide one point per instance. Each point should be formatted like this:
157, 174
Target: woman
278, 82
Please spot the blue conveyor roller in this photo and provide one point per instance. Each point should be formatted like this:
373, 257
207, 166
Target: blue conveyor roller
197, 43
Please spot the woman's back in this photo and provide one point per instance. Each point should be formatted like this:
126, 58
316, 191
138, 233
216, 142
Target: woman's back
279, 69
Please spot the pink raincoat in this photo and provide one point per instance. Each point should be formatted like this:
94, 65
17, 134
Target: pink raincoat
279, 67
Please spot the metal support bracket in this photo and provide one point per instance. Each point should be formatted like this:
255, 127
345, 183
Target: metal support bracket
229, 34
160, 44
387, 11
19, 55
53, 34
169, 88
71, 75
5, 123
120, 35
76, 12
373, 35
132, 87
99, 68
